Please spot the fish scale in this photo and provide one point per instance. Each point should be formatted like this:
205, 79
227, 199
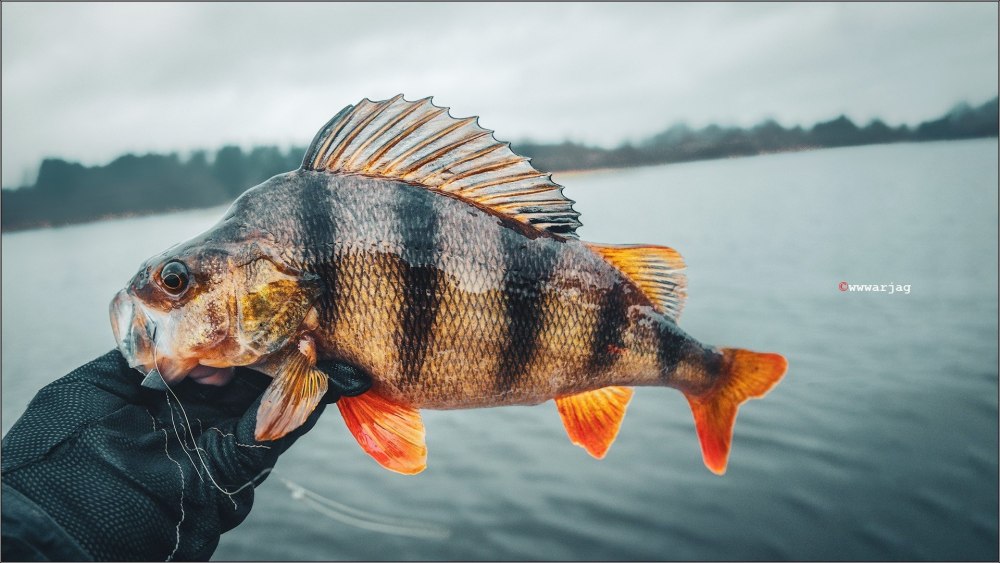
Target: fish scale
421, 250
530, 354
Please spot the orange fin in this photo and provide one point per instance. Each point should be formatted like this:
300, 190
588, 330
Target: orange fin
592, 419
745, 375
391, 433
657, 270
293, 395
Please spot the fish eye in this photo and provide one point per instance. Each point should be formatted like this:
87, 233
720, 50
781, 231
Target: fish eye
174, 277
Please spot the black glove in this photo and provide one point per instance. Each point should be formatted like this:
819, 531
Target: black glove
130, 475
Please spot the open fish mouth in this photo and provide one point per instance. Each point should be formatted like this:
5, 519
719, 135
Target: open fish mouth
134, 332
136, 336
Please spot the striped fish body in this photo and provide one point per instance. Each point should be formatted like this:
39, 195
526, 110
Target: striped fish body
449, 305
418, 248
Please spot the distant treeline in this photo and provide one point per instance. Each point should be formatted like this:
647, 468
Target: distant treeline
67, 192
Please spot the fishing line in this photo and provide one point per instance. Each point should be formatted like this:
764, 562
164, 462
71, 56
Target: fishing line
324, 505
180, 469
355, 516
173, 424
166, 450
230, 435
197, 450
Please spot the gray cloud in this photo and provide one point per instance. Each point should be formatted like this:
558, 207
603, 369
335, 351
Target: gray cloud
91, 81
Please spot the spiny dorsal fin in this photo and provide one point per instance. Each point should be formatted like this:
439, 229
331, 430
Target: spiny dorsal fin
423, 144
657, 270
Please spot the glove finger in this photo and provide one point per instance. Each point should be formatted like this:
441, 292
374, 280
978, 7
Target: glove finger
235, 468
94, 389
237, 454
60, 409
233, 398
345, 379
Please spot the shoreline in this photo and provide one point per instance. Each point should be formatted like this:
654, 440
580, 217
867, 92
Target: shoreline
570, 173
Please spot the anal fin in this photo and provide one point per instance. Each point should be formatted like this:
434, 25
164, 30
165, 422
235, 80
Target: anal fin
391, 433
592, 419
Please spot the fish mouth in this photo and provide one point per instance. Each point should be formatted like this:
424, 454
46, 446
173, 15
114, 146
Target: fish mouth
134, 332
136, 336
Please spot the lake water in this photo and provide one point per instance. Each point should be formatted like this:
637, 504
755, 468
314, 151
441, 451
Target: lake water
880, 443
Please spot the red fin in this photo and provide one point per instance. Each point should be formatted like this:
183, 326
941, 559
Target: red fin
657, 270
391, 433
592, 419
292, 396
746, 375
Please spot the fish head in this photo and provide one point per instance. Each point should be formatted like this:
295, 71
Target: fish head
203, 307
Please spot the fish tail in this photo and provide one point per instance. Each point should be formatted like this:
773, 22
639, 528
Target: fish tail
745, 375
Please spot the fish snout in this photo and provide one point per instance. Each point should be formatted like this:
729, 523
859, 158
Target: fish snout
136, 333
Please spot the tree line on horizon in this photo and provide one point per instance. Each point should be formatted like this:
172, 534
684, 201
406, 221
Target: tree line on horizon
68, 192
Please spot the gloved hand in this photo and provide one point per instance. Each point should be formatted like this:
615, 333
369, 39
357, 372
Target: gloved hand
129, 474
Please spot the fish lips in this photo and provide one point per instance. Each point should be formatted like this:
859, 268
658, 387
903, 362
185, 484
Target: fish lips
134, 332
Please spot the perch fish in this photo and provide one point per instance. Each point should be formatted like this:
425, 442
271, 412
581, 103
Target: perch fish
418, 248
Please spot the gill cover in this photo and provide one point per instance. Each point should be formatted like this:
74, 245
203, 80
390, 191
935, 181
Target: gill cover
273, 305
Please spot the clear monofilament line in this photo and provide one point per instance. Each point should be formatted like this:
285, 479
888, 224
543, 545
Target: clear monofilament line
197, 450
326, 506
362, 519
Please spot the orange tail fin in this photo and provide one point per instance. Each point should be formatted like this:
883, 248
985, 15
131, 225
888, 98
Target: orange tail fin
745, 375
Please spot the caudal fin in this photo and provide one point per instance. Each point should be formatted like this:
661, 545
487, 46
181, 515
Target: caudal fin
745, 375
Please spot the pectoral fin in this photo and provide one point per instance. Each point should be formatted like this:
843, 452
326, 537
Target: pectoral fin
296, 390
592, 419
391, 433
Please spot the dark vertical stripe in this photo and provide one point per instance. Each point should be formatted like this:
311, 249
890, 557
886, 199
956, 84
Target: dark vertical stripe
418, 222
318, 233
607, 340
527, 273
674, 348
667, 353
685, 363
713, 362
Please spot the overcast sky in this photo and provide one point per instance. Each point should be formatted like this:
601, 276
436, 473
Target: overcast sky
89, 82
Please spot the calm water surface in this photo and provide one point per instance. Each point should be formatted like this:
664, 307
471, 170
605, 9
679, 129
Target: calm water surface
881, 443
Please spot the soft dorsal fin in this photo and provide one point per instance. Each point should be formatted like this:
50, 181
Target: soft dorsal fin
423, 144
593, 418
657, 270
